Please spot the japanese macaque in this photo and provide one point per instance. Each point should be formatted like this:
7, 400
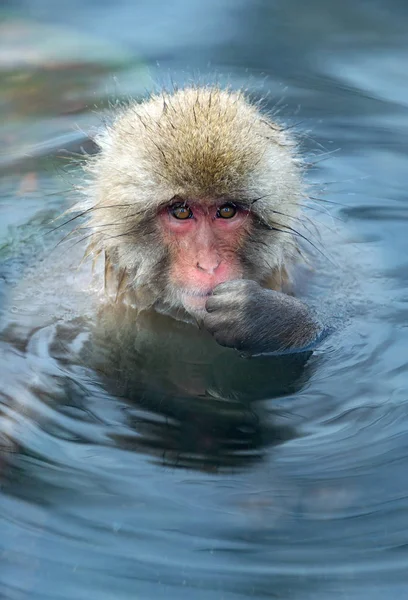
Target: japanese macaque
191, 213
192, 202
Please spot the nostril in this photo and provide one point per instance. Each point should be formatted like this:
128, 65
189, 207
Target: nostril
208, 267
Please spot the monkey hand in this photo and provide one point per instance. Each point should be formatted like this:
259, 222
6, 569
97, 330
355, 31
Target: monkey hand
241, 314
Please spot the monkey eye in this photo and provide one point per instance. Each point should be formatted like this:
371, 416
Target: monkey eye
181, 211
227, 211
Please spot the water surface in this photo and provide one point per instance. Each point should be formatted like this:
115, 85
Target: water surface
292, 492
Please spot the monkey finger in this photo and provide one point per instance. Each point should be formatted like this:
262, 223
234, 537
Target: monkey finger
212, 322
235, 286
215, 303
210, 305
227, 286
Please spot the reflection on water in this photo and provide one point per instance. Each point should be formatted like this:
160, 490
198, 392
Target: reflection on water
198, 473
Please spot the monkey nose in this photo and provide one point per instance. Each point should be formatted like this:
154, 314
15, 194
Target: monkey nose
208, 265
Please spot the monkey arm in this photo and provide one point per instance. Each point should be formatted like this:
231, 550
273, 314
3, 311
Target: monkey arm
242, 315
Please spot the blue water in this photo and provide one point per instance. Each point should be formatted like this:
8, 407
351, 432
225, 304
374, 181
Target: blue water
299, 493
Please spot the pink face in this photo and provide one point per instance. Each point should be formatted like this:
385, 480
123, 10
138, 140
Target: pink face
203, 242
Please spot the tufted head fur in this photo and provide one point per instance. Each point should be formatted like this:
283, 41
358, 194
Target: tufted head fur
198, 143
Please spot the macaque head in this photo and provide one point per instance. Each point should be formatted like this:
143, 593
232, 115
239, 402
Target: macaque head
190, 190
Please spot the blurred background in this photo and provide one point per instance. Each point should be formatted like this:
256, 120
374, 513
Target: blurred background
321, 60
309, 499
